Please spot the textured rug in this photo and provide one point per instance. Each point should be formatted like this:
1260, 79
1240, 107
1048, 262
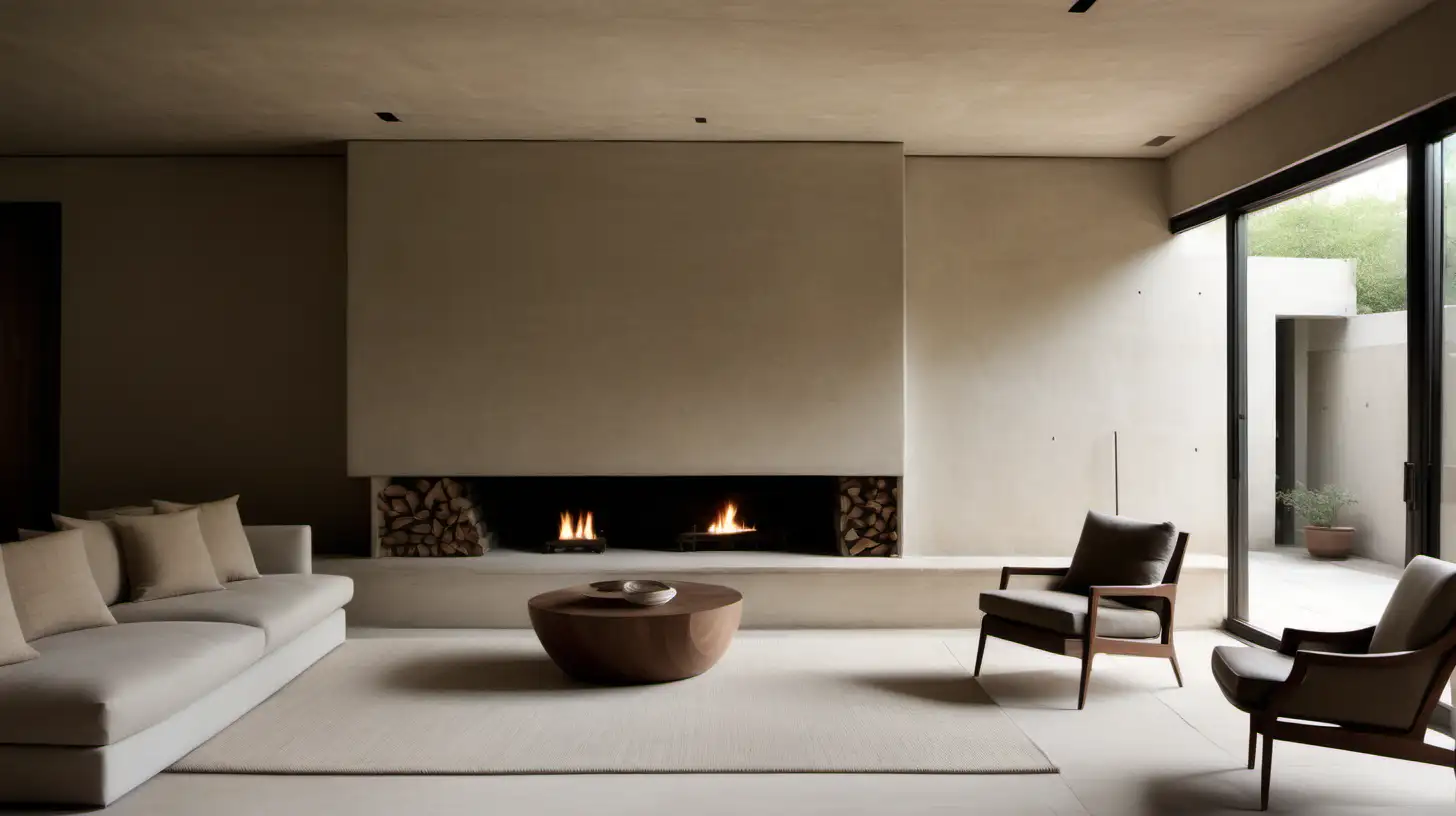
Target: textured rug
495, 704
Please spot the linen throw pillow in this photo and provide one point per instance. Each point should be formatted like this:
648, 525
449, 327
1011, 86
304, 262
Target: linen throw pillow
222, 530
13, 648
104, 553
1117, 551
52, 587
165, 556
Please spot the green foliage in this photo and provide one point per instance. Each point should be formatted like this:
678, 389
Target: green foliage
1369, 230
1318, 508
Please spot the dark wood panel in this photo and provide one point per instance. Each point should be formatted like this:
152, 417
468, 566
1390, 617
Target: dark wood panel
30, 362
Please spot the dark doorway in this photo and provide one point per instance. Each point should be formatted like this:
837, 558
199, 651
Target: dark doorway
30, 362
1286, 434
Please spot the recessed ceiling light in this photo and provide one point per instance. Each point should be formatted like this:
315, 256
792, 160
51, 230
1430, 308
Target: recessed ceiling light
702, 120
1081, 6
387, 116
1158, 141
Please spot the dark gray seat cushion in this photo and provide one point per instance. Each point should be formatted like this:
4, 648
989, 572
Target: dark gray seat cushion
1066, 614
1117, 551
1248, 675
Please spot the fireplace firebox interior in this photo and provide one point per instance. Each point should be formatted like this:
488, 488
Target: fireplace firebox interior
798, 514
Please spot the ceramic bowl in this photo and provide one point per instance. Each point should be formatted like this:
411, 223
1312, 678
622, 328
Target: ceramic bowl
647, 593
641, 593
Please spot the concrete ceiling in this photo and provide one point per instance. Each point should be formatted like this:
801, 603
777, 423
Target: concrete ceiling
979, 77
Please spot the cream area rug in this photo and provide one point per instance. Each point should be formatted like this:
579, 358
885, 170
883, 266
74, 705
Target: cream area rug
493, 703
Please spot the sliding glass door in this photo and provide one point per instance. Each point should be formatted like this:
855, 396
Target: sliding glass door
1325, 333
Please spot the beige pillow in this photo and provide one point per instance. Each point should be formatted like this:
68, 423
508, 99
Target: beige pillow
13, 648
113, 512
165, 556
104, 553
52, 587
222, 529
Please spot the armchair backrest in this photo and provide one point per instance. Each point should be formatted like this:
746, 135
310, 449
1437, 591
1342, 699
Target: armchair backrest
1119, 551
1422, 609
1175, 563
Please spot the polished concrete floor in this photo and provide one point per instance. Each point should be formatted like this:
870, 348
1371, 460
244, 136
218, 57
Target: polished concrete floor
1288, 588
1143, 745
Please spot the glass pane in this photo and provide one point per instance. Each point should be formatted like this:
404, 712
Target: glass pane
1326, 335
1448, 381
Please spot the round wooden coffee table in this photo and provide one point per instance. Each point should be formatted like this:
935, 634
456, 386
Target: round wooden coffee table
616, 643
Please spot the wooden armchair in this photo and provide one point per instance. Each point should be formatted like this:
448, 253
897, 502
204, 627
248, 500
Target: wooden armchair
1372, 690
1117, 597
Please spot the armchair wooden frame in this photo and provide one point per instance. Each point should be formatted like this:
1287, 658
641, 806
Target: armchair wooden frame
1090, 644
1346, 651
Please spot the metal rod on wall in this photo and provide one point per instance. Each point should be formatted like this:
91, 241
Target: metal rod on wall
1116, 479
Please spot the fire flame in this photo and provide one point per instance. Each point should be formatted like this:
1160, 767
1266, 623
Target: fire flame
582, 530
728, 522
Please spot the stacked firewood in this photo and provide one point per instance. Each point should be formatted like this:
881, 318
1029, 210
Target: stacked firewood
869, 515
430, 517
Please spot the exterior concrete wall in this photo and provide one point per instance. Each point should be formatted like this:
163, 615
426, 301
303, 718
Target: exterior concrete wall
1357, 425
1282, 288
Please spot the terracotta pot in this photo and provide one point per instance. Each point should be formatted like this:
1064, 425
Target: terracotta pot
1329, 542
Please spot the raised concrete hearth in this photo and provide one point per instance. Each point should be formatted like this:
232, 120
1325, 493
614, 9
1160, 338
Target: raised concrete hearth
780, 590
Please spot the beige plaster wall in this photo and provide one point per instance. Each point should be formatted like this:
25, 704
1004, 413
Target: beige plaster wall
625, 308
1047, 307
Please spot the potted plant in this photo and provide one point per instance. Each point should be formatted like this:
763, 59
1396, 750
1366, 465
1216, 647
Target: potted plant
1319, 508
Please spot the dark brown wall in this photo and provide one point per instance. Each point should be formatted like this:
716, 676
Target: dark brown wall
30, 348
203, 335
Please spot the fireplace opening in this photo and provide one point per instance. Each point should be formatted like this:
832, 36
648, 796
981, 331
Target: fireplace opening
797, 514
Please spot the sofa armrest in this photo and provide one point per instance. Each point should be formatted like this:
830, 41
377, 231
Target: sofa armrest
281, 548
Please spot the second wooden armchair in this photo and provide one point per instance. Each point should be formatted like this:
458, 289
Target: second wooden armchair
1117, 597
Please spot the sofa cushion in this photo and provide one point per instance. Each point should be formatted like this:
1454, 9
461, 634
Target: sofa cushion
1117, 551
1248, 675
52, 586
104, 553
222, 530
98, 686
1066, 614
13, 648
283, 606
166, 556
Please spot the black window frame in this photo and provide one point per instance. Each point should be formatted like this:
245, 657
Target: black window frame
1421, 134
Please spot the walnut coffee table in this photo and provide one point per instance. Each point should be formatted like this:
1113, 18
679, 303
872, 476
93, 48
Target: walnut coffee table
616, 643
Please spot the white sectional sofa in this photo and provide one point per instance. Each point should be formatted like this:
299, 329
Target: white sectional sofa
103, 710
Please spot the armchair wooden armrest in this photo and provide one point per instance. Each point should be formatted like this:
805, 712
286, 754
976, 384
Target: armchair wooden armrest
1337, 687
1168, 591
1352, 642
1007, 572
